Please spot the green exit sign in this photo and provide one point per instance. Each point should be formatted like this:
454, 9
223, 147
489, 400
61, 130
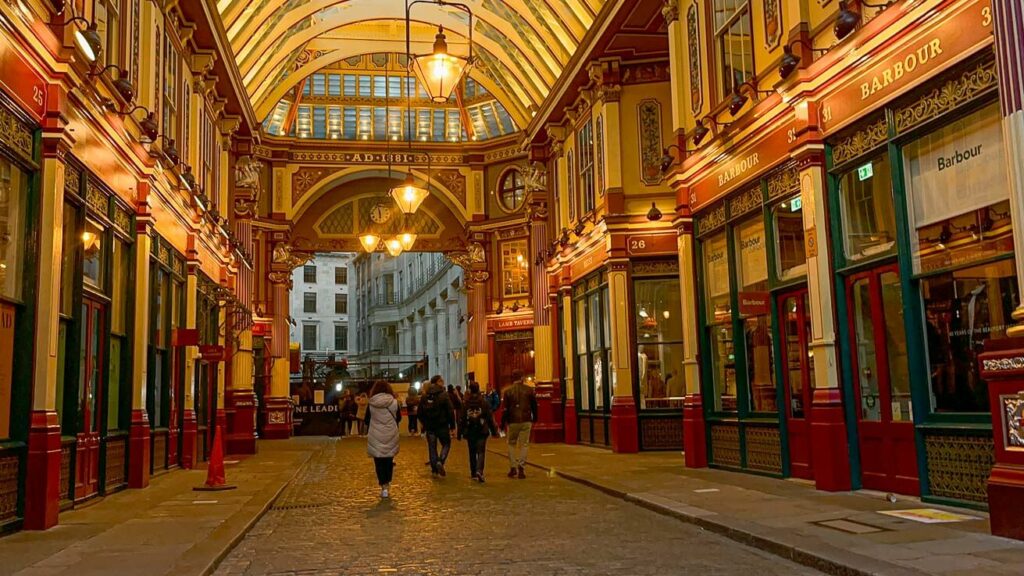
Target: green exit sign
864, 172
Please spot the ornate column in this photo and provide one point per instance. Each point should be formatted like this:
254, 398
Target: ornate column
619, 369
694, 432
278, 406
138, 431
1002, 368
549, 396
476, 331
190, 425
443, 364
42, 485
569, 419
430, 341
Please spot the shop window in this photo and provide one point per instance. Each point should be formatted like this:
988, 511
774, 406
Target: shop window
159, 362
790, 256
107, 19
719, 321
734, 44
659, 342
593, 341
94, 256
754, 307
13, 190
117, 346
309, 302
341, 303
512, 190
869, 223
340, 275
585, 145
309, 336
570, 180
121, 262
68, 268
341, 337
309, 274
515, 268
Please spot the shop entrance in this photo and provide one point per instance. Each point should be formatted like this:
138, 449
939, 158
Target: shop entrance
797, 377
885, 428
87, 451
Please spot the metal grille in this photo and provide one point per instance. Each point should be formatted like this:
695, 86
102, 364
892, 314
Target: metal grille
8, 487
959, 466
662, 433
764, 449
725, 444
115, 467
66, 449
159, 451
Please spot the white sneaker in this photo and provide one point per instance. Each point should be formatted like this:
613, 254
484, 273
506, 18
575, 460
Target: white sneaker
384, 492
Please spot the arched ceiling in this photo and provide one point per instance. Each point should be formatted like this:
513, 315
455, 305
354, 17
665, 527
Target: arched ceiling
521, 46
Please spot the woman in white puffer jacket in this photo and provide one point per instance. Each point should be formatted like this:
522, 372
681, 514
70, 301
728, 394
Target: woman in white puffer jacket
382, 418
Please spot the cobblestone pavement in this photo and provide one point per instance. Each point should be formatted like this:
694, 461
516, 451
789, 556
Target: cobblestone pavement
330, 520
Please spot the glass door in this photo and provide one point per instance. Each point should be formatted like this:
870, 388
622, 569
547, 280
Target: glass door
87, 457
797, 375
885, 428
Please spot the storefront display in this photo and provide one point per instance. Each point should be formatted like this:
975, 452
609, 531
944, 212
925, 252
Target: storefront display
593, 345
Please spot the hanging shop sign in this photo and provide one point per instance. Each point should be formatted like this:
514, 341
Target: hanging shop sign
502, 324
651, 244
932, 49
742, 166
261, 329
20, 80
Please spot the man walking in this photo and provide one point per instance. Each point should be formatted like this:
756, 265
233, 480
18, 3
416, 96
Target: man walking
520, 404
438, 420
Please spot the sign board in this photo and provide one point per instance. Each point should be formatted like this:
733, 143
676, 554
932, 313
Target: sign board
739, 167
211, 352
588, 262
184, 337
261, 329
865, 172
754, 303
651, 244
20, 80
502, 324
930, 50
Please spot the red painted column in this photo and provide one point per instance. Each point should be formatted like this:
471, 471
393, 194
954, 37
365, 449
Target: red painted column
829, 447
42, 487
139, 450
139, 464
624, 429
548, 427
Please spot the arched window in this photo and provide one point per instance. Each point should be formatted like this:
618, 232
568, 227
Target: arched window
512, 190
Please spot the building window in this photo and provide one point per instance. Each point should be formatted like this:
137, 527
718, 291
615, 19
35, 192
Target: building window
718, 327
593, 342
585, 144
755, 312
734, 44
340, 275
512, 190
790, 255
13, 192
93, 255
309, 302
341, 337
309, 336
170, 95
515, 268
107, 19
659, 342
869, 221
570, 179
309, 274
341, 303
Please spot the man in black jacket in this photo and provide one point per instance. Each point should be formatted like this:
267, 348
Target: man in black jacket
438, 419
520, 413
476, 425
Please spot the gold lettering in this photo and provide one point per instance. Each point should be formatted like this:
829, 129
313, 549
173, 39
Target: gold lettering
895, 72
935, 47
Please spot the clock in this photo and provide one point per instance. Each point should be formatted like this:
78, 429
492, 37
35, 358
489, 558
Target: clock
380, 213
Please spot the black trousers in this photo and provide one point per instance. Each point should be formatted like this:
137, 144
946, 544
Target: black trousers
477, 453
385, 469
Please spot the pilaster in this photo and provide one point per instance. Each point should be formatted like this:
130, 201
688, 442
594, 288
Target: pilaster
624, 424
138, 432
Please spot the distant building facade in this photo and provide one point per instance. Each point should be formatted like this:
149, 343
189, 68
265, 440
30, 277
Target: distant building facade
320, 304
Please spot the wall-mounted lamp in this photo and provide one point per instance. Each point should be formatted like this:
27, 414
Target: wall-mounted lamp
125, 89
701, 131
170, 150
790, 60
739, 99
88, 40
150, 128
563, 240
499, 309
654, 214
188, 178
667, 160
515, 306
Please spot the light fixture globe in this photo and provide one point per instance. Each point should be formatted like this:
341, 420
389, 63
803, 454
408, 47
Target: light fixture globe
408, 195
393, 246
407, 239
439, 72
369, 241
89, 42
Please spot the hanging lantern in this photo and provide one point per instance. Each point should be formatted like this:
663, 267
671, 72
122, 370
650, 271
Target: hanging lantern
370, 241
393, 246
409, 196
407, 239
440, 72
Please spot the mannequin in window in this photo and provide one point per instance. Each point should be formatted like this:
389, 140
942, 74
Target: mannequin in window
641, 364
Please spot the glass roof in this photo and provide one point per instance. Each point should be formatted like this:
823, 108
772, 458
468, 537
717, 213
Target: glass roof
521, 46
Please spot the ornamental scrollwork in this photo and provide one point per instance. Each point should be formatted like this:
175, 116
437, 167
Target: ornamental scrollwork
948, 97
15, 134
536, 177
670, 11
693, 54
710, 220
860, 142
784, 182
1013, 413
745, 202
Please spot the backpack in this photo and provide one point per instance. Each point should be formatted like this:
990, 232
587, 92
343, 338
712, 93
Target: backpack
475, 422
429, 407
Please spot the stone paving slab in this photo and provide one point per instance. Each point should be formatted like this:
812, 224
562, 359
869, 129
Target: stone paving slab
166, 528
782, 516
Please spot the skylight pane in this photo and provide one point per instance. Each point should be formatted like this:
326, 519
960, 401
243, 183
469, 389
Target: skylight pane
350, 85
365, 86
334, 122
334, 85
319, 122
319, 85
439, 125
350, 123
379, 122
365, 122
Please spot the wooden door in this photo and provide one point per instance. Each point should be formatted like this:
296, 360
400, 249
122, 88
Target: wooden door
90, 398
798, 378
885, 428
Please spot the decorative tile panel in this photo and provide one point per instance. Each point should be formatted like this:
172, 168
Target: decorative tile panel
764, 449
123, 220
860, 142
66, 450
15, 134
662, 433
772, 23
649, 112
710, 220
72, 179
954, 93
96, 198
693, 53
958, 466
115, 467
725, 444
745, 202
784, 182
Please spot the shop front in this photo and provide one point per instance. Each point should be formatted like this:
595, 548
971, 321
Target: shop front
208, 318
19, 186
511, 348
165, 375
591, 357
755, 318
925, 279
657, 340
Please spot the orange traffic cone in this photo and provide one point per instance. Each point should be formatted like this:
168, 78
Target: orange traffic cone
215, 477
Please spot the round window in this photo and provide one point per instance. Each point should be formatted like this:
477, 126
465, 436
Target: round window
512, 190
